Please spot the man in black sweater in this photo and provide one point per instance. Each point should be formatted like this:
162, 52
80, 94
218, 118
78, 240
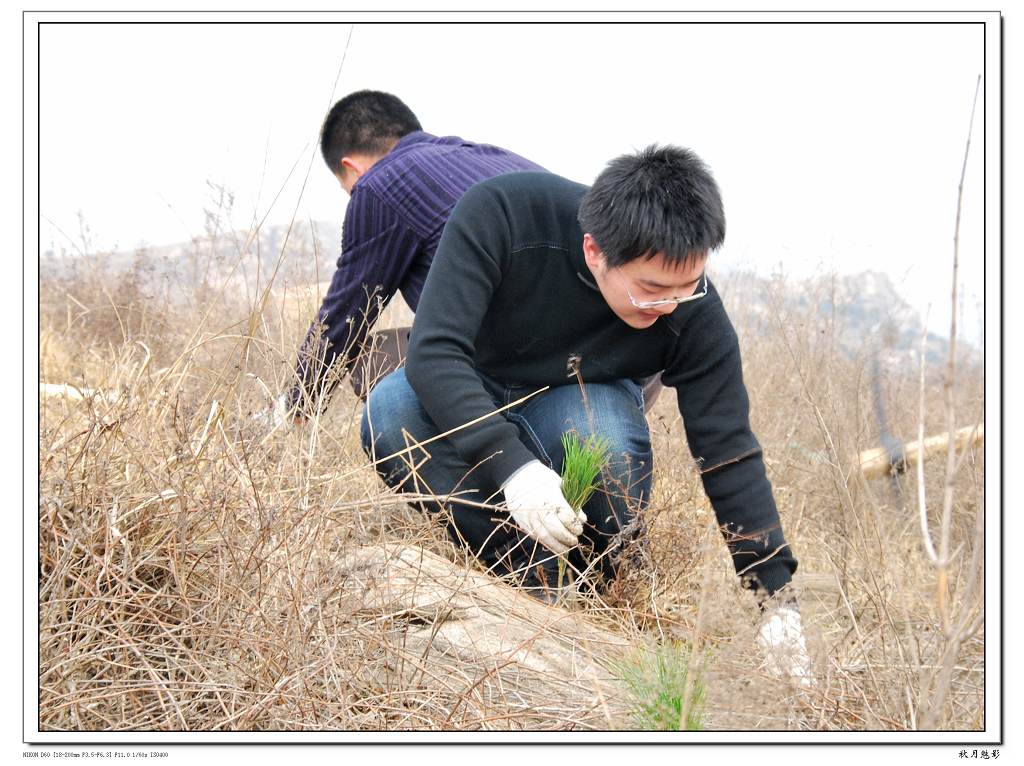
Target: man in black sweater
541, 284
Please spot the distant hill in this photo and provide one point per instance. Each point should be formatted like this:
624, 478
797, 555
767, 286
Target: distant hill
863, 311
310, 252
860, 309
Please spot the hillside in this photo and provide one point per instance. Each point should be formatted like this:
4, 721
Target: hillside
863, 310
199, 573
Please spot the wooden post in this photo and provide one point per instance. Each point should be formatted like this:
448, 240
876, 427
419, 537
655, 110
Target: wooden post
878, 462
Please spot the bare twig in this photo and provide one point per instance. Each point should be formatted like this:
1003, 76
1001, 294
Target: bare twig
951, 635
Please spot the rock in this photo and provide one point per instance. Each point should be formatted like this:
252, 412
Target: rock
491, 639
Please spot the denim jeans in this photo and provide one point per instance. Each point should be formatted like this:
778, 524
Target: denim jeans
393, 419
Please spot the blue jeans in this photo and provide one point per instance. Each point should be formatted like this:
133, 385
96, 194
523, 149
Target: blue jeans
615, 412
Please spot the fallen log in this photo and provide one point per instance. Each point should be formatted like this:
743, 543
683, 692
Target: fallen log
73, 393
490, 641
880, 461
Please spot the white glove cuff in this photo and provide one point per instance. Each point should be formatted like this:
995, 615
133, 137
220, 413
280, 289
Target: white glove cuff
520, 470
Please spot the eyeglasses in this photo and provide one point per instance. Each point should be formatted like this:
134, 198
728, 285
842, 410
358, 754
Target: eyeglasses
668, 301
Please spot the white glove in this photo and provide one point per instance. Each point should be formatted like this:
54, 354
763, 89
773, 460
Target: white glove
534, 497
782, 640
279, 415
282, 414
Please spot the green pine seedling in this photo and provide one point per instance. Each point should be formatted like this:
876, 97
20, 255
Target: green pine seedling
656, 681
583, 463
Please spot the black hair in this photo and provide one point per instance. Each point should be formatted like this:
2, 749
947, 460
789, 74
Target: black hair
659, 200
364, 122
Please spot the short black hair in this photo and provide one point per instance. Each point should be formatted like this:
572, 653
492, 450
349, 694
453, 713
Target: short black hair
659, 200
364, 122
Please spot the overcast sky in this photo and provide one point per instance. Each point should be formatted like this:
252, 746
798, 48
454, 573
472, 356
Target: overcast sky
835, 145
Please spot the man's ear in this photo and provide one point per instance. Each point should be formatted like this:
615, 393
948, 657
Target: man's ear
352, 165
592, 254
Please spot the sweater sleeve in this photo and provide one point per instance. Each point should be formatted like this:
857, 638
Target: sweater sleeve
467, 270
707, 374
377, 251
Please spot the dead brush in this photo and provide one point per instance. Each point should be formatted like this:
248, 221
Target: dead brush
195, 574
192, 578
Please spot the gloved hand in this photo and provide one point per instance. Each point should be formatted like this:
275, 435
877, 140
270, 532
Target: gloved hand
782, 640
280, 415
534, 498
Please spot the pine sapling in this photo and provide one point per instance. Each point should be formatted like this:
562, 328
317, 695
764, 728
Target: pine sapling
583, 463
658, 683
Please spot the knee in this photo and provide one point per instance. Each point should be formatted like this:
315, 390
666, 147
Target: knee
384, 414
614, 411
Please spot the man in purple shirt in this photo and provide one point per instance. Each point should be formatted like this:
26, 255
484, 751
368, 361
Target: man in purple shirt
403, 184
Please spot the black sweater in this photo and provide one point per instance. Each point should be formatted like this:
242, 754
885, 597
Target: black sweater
509, 293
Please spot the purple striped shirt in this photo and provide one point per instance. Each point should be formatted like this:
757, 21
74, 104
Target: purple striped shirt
392, 226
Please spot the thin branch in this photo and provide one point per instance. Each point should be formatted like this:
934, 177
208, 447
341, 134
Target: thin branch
926, 536
954, 638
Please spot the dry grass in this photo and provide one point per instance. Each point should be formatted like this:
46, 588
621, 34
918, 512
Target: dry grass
195, 575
